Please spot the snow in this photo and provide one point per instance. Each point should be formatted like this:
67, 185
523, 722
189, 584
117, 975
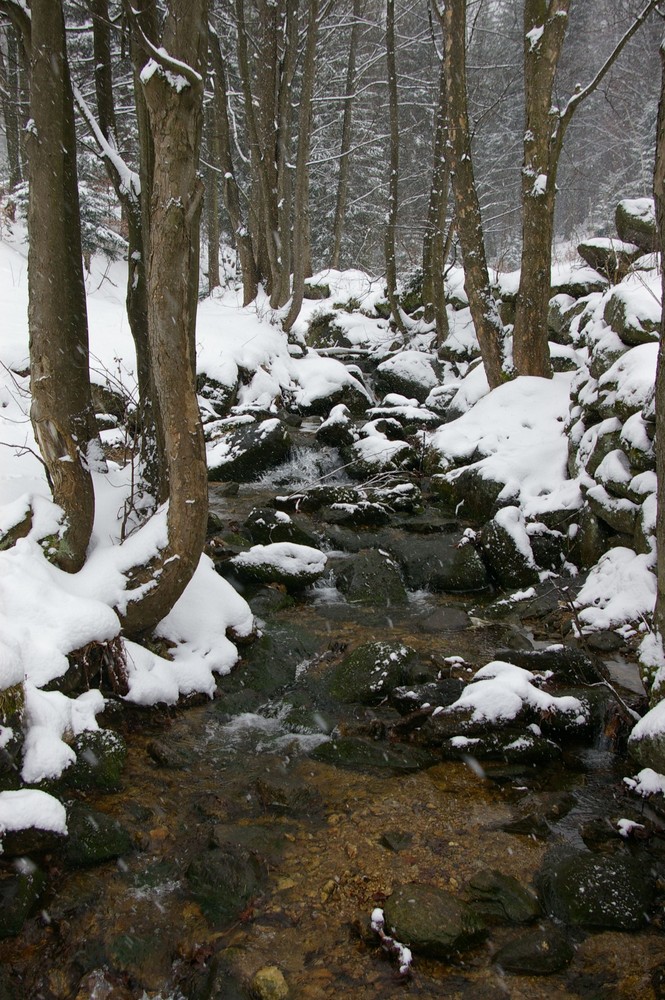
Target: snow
647, 782
29, 807
287, 557
619, 588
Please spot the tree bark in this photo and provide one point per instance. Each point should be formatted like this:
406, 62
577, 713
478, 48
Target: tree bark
230, 191
173, 87
212, 199
393, 178
301, 186
434, 299
10, 109
659, 196
61, 413
345, 144
544, 31
484, 312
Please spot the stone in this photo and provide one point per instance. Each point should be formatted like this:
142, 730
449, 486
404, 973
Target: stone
371, 577
648, 749
224, 880
264, 525
502, 898
618, 513
409, 373
337, 430
539, 952
635, 220
567, 663
411, 697
248, 450
610, 257
269, 984
468, 494
446, 620
94, 837
293, 566
635, 318
269, 664
100, 761
586, 890
443, 563
377, 454
217, 397
368, 673
506, 550
362, 755
19, 896
431, 921
324, 332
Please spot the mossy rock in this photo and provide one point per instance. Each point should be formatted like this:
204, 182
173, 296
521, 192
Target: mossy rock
371, 578
635, 220
269, 664
324, 332
540, 952
432, 921
94, 837
218, 396
252, 450
467, 493
100, 761
362, 755
509, 564
224, 880
368, 673
317, 290
648, 750
443, 563
633, 329
502, 898
19, 897
264, 526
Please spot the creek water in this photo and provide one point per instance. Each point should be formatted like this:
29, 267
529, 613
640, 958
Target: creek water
334, 842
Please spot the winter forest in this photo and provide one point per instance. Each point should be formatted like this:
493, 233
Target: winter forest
332, 616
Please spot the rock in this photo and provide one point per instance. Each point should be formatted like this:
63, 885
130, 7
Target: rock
269, 664
441, 563
446, 620
376, 454
584, 890
409, 373
287, 797
501, 898
411, 697
269, 984
540, 952
264, 526
396, 840
100, 761
610, 257
294, 566
647, 747
368, 673
371, 577
632, 315
19, 897
432, 921
468, 494
619, 514
223, 881
243, 453
578, 282
337, 430
591, 541
506, 550
217, 397
635, 220
362, 755
567, 663
358, 515
94, 837
317, 290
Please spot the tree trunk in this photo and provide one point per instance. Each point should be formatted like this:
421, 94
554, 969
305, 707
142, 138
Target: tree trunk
659, 195
345, 144
212, 200
484, 312
393, 179
230, 192
61, 413
174, 97
10, 108
301, 186
544, 31
434, 299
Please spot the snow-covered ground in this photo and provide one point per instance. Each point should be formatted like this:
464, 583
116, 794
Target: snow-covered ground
46, 614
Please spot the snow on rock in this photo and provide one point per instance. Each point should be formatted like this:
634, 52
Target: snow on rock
499, 691
619, 588
29, 807
285, 559
647, 782
49, 716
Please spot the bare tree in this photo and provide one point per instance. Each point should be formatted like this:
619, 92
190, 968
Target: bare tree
659, 195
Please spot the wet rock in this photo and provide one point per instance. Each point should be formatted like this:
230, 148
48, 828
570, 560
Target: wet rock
267, 842
529, 825
539, 952
582, 889
410, 697
371, 577
567, 663
220, 983
368, 673
442, 563
294, 566
247, 451
432, 921
376, 454
94, 837
168, 756
19, 897
100, 761
284, 796
506, 550
502, 898
396, 840
264, 525
468, 494
361, 755
223, 881
270, 984
359, 515
446, 620
30, 841
144, 956
269, 664
337, 430
647, 748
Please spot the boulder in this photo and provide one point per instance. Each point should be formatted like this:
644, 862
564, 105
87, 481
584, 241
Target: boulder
216, 398
539, 952
245, 452
264, 526
502, 899
635, 220
294, 566
368, 673
223, 880
409, 373
432, 921
633, 315
586, 890
100, 761
377, 454
506, 549
610, 257
337, 429
442, 563
94, 837
363, 755
468, 493
371, 577
19, 897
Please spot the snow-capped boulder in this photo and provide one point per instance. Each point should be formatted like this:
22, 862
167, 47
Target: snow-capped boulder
635, 220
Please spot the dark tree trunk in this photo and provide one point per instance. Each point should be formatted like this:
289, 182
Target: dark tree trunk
484, 312
175, 113
345, 144
10, 97
61, 412
659, 195
434, 299
212, 200
393, 163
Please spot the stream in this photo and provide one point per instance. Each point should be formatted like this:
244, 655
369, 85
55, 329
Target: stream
321, 845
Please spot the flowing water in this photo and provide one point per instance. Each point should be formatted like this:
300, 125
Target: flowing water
209, 776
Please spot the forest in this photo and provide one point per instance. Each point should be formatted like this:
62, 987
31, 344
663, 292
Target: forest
332, 607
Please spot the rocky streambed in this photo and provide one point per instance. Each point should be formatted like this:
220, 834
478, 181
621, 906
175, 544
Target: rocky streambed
241, 846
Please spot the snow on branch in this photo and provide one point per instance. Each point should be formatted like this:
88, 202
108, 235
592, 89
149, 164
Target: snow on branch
129, 181
179, 74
